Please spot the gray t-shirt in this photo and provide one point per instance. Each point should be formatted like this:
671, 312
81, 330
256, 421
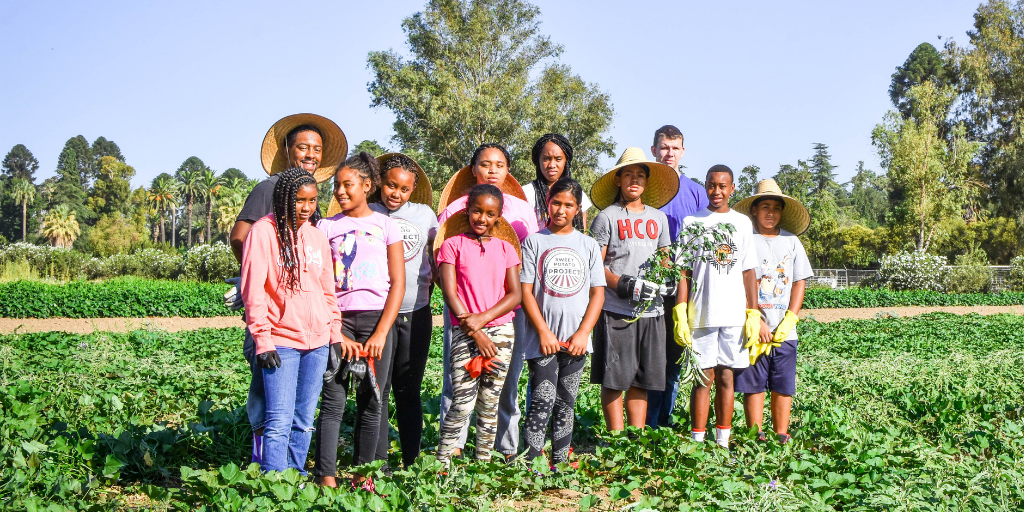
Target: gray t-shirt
781, 262
418, 226
563, 269
631, 239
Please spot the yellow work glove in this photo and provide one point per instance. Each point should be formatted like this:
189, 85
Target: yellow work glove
683, 336
752, 327
785, 327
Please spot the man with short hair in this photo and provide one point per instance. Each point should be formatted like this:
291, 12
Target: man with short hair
668, 149
310, 142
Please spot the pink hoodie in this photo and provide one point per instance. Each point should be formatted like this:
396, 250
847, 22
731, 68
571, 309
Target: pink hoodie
305, 319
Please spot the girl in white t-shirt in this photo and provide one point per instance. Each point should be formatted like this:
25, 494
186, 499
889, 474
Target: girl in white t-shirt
552, 158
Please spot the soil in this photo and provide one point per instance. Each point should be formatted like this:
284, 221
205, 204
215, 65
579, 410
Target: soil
173, 324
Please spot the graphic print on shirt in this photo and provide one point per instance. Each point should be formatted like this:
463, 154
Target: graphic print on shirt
724, 255
638, 229
345, 275
771, 284
314, 256
412, 240
563, 272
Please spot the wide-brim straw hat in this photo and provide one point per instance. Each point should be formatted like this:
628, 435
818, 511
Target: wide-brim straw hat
459, 185
662, 181
422, 194
795, 217
459, 223
274, 152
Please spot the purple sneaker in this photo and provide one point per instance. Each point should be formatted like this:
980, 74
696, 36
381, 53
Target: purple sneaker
257, 448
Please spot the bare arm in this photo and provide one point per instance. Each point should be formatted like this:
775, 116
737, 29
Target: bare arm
393, 302
683, 290
796, 296
750, 287
548, 341
238, 233
612, 279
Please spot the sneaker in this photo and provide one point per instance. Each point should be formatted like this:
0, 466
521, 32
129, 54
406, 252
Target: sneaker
784, 438
257, 448
761, 437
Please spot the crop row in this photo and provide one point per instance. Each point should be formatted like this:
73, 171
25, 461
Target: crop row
121, 297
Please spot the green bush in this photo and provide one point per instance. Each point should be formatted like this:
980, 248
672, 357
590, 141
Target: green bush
147, 263
882, 298
213, 263
48, 262
120, 297
911, 271
1016, 278
968, 275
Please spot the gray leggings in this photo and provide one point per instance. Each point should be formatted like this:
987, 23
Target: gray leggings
554, 383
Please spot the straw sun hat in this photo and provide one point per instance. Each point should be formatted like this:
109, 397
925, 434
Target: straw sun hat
459, 223
274, 153
662, 181
422, 194
795, 217
462, 181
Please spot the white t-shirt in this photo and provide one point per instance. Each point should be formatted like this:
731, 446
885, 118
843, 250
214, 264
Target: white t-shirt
719, 299
531, 197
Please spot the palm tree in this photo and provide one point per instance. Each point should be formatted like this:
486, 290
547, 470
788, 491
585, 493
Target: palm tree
60, 226
22, 191
161, 194
189, 188
209, 186
228, 208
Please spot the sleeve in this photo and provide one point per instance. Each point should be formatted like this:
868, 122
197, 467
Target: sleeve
511, 256
801, 265
256, 256
664, 238
448, 253
586, 203
600, 229
259, 203
528, 274
428, 247
327, 283
391, 232
596, 266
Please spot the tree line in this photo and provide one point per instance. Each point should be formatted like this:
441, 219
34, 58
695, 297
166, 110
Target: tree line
951, 155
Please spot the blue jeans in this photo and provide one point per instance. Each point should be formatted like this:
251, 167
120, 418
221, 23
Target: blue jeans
255, 404
292, 392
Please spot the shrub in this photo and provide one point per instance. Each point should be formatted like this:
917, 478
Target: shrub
212, 263
868, 298
912, 271
49, 262
968, 275
148, 263
1016, 278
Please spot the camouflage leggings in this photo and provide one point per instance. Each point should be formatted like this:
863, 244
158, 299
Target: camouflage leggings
481, 393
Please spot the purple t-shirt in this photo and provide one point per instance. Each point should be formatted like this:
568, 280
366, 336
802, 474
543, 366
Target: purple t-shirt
690, 199
359, 249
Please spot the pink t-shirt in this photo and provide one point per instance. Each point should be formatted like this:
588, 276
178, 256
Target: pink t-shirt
518, 213
479, 272
359, 249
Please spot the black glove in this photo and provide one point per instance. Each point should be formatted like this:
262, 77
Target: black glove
268, 360
638, 290
334, 362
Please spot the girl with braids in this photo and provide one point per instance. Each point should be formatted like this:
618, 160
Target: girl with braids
563, 292
552, 158
292, 314
369, 274
400, 178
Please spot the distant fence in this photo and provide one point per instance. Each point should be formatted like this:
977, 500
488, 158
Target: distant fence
838, 278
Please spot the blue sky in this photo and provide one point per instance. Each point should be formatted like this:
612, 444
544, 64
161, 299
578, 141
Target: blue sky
746, 82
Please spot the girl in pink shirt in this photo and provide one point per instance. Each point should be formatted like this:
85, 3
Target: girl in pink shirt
291, 311
480, 281
369, 272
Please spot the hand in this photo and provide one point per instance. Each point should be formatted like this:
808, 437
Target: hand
577, 344
765, 335
785, 327
484, 344
638, 290
548, 342
752, 326
233, 297
349, 349
682, 334
471, 322
374, 346
268, 360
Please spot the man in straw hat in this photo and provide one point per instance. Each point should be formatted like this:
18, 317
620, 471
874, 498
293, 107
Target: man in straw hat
781, 274
629, 336
306, 141
668, 149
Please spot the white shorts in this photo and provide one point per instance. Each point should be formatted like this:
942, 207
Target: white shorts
720, 346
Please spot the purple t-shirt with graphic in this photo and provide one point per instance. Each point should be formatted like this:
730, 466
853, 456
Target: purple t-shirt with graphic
359, 248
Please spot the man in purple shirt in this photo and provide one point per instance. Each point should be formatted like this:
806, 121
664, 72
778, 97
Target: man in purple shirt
668, 149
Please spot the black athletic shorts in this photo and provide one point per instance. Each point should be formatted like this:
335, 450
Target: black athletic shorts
629, 354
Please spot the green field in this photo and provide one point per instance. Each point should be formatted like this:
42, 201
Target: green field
922, 413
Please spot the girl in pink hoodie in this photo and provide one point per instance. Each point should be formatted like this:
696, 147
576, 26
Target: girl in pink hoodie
292, 313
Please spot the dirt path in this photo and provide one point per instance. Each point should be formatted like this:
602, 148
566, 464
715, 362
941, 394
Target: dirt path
88, 325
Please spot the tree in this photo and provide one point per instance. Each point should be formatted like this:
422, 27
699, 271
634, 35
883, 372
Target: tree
795, 181
822, 175
22, 191
102, 147
20, 163
68, 189
60, 226
468, 81
112, 187
188, 175
233, 174
84, 162
924, 64
869, 196
115, 234
929, 175
209, 186
746, 185
229, 205
370, 146
161, 194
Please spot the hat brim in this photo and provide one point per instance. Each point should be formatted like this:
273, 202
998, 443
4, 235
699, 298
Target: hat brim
459, 223
662, 186
274, 152
795, 217
460, 183
422, 194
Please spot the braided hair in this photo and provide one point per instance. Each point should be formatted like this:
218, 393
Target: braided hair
367, 167
286, 222
565, 184
540, 184
397, 160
